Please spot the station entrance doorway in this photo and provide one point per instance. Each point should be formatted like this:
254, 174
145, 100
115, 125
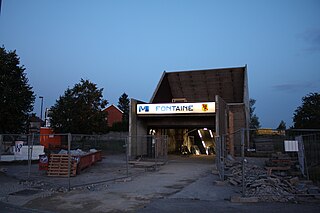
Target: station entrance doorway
186, 141
187, 134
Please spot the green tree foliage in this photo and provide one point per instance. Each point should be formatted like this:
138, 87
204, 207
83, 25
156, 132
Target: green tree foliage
307, 116
79, 110
282, 125
16, 95
123, 104
254, 119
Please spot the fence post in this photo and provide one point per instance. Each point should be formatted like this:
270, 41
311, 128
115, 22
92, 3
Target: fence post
220, 158
127, 153
1, 146
242, 142
155, 142
69, 160
244, 161
30, 148
223, 157
166, 148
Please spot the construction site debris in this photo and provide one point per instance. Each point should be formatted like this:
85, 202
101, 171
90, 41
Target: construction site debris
281, 160
77, 152
269, 188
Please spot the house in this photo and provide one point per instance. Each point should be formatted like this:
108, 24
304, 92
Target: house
114, 115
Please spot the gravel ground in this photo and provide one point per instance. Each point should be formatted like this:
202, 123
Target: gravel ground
184, 184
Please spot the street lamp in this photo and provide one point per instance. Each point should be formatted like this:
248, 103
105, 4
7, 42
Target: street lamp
41, 106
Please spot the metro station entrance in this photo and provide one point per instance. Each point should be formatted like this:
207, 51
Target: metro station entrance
191, 131
191, 110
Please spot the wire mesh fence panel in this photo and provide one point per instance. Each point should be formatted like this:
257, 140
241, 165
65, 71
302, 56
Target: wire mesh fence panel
148, 147
161, 149
64, 160
277, 164
99, 158
311, 145
221, 155
148, 151
19, 152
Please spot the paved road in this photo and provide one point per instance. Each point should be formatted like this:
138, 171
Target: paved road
9, 208
188, 205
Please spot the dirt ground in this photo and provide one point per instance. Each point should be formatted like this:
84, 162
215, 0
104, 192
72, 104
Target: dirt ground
184, 184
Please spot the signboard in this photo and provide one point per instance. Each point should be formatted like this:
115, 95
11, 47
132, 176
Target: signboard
291, 146
176, 108
18, 146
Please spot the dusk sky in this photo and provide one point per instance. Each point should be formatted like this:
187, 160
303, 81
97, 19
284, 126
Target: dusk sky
124, 46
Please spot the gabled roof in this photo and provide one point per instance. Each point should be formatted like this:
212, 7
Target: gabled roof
202, 85
113, 106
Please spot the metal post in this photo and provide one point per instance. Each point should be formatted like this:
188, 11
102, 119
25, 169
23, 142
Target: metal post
243, 178
69, 159
248, 138
127, 160
222, 156
41, 97
242, 142
166, 149
1, 146
154, 144
30, 147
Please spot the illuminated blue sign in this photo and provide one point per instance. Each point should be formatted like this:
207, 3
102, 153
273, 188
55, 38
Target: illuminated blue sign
176, 108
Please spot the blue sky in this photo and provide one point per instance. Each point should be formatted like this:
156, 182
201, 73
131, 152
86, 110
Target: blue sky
124, 46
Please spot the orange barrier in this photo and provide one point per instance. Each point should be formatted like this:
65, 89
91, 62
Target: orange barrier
48, 139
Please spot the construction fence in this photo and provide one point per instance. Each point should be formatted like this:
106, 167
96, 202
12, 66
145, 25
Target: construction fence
149, 147
74, 160
270, 164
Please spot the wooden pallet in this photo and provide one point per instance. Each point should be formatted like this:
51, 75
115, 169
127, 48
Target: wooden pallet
58, 166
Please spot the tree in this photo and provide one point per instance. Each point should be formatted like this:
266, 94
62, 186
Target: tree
123, 105
307, 116
79, 110
282, 125
254, 119
16, 95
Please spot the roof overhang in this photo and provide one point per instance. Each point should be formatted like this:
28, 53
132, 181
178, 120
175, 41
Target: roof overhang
202, 85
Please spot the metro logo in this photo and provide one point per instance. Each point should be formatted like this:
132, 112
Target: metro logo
143, 108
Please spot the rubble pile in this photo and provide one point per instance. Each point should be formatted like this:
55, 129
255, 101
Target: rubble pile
271, 188
268, 188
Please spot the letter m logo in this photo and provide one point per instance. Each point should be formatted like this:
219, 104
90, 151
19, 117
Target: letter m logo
143, 108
